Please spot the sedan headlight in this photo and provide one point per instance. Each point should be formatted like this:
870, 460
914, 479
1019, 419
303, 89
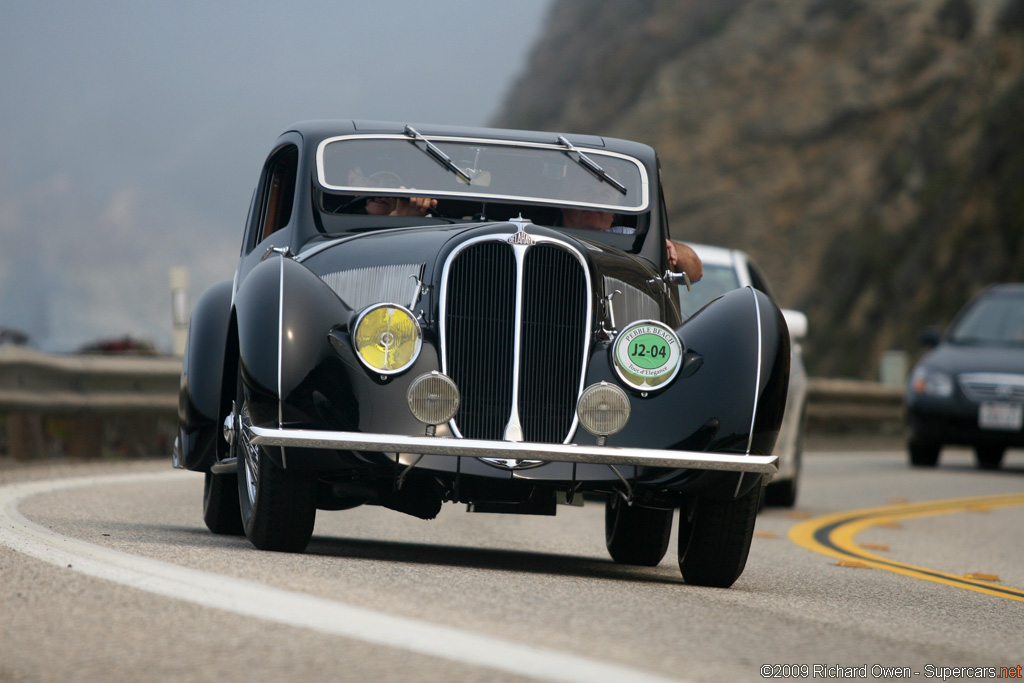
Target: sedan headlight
387, 338
927, 382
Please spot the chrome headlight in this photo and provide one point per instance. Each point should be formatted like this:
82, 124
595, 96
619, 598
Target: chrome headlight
387, 338
927, 382
647, 355
603, 409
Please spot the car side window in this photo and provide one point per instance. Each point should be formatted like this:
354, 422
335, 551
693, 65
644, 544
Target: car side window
278, 192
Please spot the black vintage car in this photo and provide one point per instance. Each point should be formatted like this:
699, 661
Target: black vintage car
413, 321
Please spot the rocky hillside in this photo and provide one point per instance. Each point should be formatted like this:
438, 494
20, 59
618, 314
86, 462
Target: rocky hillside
870, 155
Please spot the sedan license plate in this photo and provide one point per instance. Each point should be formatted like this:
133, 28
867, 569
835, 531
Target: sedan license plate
1003, 416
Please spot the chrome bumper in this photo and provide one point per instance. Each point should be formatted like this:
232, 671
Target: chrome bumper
514, 450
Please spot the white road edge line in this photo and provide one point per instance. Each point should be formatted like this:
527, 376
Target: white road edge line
285, 607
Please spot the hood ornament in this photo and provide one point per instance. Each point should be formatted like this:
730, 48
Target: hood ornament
520, 236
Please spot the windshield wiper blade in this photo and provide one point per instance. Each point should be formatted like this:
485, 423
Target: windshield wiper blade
441, 157
591, 165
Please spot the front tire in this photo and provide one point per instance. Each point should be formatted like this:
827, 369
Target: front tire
278, 507
634, 534
714, 538
988, 457
923, 453
220, 504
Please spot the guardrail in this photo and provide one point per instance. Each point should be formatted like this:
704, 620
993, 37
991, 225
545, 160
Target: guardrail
834, 404
88, 405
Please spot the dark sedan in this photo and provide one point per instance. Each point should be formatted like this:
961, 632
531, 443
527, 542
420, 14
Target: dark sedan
969, 390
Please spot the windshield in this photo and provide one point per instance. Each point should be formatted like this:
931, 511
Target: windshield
717, 280
993, 319
484, 170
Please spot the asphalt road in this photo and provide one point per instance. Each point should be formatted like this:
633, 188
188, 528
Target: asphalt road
115, 577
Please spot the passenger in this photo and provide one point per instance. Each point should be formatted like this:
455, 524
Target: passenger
681, 258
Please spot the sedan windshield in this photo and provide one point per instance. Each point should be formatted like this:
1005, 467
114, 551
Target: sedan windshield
439, 167
993, 319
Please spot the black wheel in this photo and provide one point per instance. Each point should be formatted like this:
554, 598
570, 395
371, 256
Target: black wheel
278, 507
634, 534
989, 457
923, 453
714, 538
220, 504
783, 493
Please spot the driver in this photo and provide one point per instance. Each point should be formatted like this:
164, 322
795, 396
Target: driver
390, 206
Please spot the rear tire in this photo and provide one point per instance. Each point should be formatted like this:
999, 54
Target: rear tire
923, 453
714, 538
278, 507
220, 504
634, 534
989, 457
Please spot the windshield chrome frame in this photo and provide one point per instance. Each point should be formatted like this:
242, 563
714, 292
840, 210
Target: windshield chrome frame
643, 206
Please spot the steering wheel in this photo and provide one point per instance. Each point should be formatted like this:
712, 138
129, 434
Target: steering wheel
353, 204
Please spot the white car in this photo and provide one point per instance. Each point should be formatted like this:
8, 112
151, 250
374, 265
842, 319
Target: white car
728, 269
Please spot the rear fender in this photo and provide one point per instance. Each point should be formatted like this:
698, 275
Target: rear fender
200, 390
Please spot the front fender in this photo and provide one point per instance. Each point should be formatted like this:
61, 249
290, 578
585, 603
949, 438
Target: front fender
200, 391
285, 313
730, 394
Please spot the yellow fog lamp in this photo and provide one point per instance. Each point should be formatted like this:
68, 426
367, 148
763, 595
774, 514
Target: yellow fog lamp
387, 338
603, 410
433, 399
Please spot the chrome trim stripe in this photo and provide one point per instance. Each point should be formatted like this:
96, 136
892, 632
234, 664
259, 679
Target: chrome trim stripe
757, 379
280, 345
514, 426
515, 450
280, 358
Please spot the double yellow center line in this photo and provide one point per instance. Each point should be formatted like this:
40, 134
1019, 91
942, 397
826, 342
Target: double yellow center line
834, 535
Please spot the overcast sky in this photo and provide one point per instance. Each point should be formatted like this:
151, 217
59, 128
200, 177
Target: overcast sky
132, 132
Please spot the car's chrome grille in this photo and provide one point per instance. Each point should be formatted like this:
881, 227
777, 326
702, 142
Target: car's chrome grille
480, 329
992, 386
